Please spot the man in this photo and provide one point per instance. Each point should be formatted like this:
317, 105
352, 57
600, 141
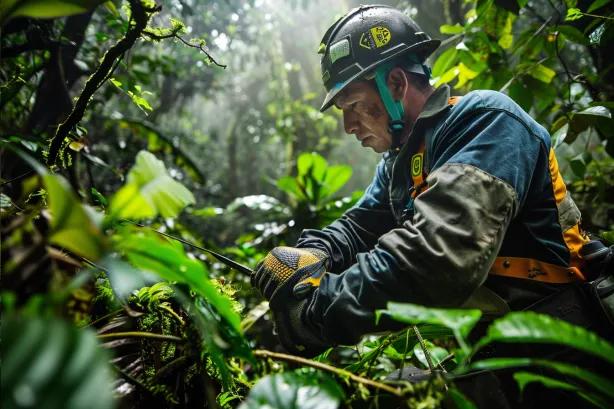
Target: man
467, 206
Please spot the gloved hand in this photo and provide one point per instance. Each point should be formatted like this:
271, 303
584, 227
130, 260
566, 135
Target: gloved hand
286, 278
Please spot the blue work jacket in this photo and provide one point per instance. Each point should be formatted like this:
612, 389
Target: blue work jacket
494, 213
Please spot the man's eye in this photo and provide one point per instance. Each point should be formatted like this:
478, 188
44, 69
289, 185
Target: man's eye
354, 105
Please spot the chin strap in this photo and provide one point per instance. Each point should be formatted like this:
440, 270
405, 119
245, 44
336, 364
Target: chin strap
396, 123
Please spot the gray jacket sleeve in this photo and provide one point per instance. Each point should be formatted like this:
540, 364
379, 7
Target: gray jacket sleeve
445, 255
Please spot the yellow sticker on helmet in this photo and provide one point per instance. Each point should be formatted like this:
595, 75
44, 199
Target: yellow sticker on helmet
376, 37
381, 35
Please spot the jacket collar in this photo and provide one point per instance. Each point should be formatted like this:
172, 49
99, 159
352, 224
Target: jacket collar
437, 102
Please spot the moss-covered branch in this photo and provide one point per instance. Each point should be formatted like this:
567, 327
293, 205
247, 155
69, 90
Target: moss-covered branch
140, 17
262, 353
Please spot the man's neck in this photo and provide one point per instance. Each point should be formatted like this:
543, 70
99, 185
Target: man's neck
412, 112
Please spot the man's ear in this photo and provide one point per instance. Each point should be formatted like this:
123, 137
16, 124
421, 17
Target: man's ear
397, 83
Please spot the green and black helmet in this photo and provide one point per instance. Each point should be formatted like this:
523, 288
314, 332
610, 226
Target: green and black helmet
367, 43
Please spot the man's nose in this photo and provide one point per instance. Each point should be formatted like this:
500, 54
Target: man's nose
350, 123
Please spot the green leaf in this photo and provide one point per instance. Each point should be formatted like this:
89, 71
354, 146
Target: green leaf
103, 200
573, 14
459, 400
5, 201
48, 363
525, 378
542, 73
592, 116
578, 167
158, 193
455, 29
128, 203
596, 382
459, 321
111, 7
150, 253
597, 4
290, 185
294, 390
71, 227
407, 338
336, 177
446, 60
44, 9
437, 353
559, 136
465, 74
531, 327
522, 94
573, 34
448, 76
609, 237
304, 163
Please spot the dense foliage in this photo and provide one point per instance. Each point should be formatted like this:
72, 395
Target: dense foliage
199, 120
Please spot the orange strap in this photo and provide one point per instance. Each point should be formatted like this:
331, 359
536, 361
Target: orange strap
535, 270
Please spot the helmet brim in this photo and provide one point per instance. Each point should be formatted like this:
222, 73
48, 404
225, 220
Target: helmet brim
428, 46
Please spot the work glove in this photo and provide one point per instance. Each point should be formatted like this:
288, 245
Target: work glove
286, 277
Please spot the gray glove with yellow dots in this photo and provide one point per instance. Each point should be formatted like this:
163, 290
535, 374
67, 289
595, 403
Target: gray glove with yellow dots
286, 277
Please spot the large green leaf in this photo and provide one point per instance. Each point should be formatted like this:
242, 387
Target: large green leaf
49, 364
408, 338
448, 29
71, 227
446, 60
465, 74
294, 390
573, 34
596, 5
538, 328
456, 398
311, 163
44, 9
290, 185
128, 203
588, 378
336, 177
525, 378
542, 73
461, 322
161, 193
559, 136
437, 353
151, 253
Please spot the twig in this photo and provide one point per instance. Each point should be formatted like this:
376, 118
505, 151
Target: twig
139, 12
427, 354
570, 79
136, 334
173, 313
446, 359
175, 35
170, 367
520, 74
449, 40
262, 353
17, 178
110, 315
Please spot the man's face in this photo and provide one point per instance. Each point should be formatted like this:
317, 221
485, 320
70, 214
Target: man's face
364, 115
